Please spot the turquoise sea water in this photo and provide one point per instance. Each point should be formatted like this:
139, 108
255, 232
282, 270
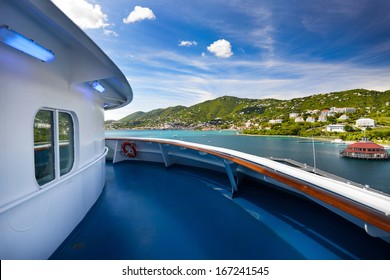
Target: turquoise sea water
375, 174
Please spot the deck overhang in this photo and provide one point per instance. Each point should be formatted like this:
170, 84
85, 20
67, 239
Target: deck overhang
88, 62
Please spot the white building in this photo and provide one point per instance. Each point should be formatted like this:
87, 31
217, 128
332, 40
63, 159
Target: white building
343, 110
365, 122
325, 112
294, 115
322, 118
343, 117
335, 128
349, 110
299, 119
311, 119
275, 121
314, 112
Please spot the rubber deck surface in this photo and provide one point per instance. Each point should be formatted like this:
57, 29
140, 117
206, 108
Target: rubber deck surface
147, 211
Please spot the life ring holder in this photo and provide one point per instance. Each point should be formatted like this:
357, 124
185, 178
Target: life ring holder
128, 149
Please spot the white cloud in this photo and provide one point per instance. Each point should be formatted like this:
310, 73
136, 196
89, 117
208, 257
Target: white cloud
139, 13
83, 13
110, 33
188, 43
192, 79
221, 48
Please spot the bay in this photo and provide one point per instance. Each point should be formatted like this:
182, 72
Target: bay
375, 174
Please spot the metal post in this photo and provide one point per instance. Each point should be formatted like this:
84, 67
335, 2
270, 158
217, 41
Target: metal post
229, 171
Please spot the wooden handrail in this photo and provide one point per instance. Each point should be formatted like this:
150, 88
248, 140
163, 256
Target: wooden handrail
356, 209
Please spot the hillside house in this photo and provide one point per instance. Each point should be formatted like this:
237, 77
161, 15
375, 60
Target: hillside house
311, 119
293, 115
322, 118
343, 110
325, 112
314, 112
343, 117
365, 122
335, 128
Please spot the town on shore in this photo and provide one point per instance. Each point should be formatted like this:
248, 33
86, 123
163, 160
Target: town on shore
348, 115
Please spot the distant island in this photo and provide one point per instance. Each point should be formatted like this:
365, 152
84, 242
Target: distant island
345, 115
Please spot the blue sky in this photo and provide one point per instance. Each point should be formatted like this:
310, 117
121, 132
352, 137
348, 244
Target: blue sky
177, 52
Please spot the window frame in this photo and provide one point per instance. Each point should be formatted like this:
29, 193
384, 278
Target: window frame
71, 142
56, 144
43, 177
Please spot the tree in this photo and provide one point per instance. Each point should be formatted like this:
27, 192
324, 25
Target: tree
348, 128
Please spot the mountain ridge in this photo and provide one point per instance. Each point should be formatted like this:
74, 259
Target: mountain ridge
230, 109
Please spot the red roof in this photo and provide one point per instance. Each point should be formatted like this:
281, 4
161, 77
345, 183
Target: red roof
365, 145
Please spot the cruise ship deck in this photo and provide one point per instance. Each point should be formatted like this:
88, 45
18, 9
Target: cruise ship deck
148, 211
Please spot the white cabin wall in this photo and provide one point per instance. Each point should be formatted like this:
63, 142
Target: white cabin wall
29, 93
27, 85
34, 219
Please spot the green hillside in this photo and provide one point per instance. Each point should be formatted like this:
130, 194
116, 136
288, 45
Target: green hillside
234, 112
357, 98
150, 119
132, 117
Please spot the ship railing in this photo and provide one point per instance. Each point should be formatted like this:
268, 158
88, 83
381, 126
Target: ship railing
370, 207
320, 172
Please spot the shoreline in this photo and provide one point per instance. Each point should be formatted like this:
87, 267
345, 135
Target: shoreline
328, 139
318, 139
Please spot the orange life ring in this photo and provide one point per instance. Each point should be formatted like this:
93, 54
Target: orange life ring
129, 149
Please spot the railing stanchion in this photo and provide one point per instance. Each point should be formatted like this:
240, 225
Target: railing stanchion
229, 171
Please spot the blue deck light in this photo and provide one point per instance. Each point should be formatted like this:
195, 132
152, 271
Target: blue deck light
98, 86
24, 44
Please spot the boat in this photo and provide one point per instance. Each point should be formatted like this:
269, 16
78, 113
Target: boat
68, 192
365, 149
338, 141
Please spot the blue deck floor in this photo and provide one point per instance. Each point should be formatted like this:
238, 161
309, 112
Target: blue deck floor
148, 211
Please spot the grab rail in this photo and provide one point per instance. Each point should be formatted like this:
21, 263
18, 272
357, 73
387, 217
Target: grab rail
53, 185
